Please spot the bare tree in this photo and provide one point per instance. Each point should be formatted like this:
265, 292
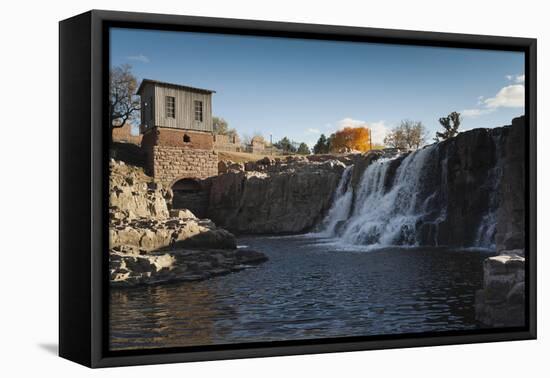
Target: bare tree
246, 139
408, 135
450, 124
124, 104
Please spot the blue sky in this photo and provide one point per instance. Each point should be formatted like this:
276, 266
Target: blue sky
301, 88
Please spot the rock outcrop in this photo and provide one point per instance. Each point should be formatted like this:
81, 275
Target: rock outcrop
273, 196
148, 243
151, 234
131, 268
501, 302
510, 217
132, 194
444, 194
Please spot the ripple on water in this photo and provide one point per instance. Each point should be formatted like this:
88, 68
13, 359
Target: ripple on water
310, 288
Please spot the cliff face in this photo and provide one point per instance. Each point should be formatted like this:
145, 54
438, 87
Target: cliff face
273, 196
445, 194
466, 191
501, 302
510, 216
469, 167
486, 181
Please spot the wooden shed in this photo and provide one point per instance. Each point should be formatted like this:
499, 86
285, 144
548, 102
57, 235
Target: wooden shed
176, 128
174, 106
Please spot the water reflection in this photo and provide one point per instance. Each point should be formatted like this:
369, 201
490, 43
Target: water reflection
305, 290
162, 316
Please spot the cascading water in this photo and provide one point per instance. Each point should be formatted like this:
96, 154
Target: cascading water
340, 210
403, 201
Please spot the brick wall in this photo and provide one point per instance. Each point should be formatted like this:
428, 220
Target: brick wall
173, 163
177, 138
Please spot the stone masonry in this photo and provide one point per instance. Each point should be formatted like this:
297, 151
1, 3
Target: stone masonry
174, 163
178, 154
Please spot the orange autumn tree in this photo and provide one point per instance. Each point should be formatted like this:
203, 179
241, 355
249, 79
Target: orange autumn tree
351, 138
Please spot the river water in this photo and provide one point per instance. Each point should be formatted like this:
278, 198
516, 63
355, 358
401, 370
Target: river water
309, 288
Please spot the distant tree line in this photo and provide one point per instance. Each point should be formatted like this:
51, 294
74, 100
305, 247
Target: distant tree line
409, 135
291, 147
124, 108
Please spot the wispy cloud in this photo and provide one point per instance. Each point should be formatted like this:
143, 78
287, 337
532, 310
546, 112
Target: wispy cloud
516, 78
313, 131
139, 58
510, 96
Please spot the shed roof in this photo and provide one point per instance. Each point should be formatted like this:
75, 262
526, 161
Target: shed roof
172, 85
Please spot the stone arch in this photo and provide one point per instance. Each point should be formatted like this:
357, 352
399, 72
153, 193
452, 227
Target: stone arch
190, 193
188, 184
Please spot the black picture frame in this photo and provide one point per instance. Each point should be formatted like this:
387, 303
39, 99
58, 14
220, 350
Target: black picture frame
83, 284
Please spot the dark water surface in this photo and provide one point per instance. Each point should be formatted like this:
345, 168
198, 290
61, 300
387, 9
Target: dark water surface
307, 289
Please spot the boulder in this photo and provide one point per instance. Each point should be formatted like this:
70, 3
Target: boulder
501, 302
182, 214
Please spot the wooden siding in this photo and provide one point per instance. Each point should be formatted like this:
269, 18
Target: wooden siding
185, 112
147, 120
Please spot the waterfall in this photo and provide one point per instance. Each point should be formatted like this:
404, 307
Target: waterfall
404, 201
341, 207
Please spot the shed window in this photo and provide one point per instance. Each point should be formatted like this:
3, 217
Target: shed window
170, 107
198, 111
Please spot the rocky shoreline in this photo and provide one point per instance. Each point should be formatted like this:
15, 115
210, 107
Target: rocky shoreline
150, 244
179, 265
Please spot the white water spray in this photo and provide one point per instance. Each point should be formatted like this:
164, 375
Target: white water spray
400, 201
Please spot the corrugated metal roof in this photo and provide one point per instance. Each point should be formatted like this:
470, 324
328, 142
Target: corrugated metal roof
172, 85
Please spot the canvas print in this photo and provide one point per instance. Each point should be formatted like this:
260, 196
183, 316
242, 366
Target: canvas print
268, 189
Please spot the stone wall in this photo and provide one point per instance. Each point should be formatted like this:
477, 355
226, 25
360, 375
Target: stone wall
173, 154
227, 143
170, 164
